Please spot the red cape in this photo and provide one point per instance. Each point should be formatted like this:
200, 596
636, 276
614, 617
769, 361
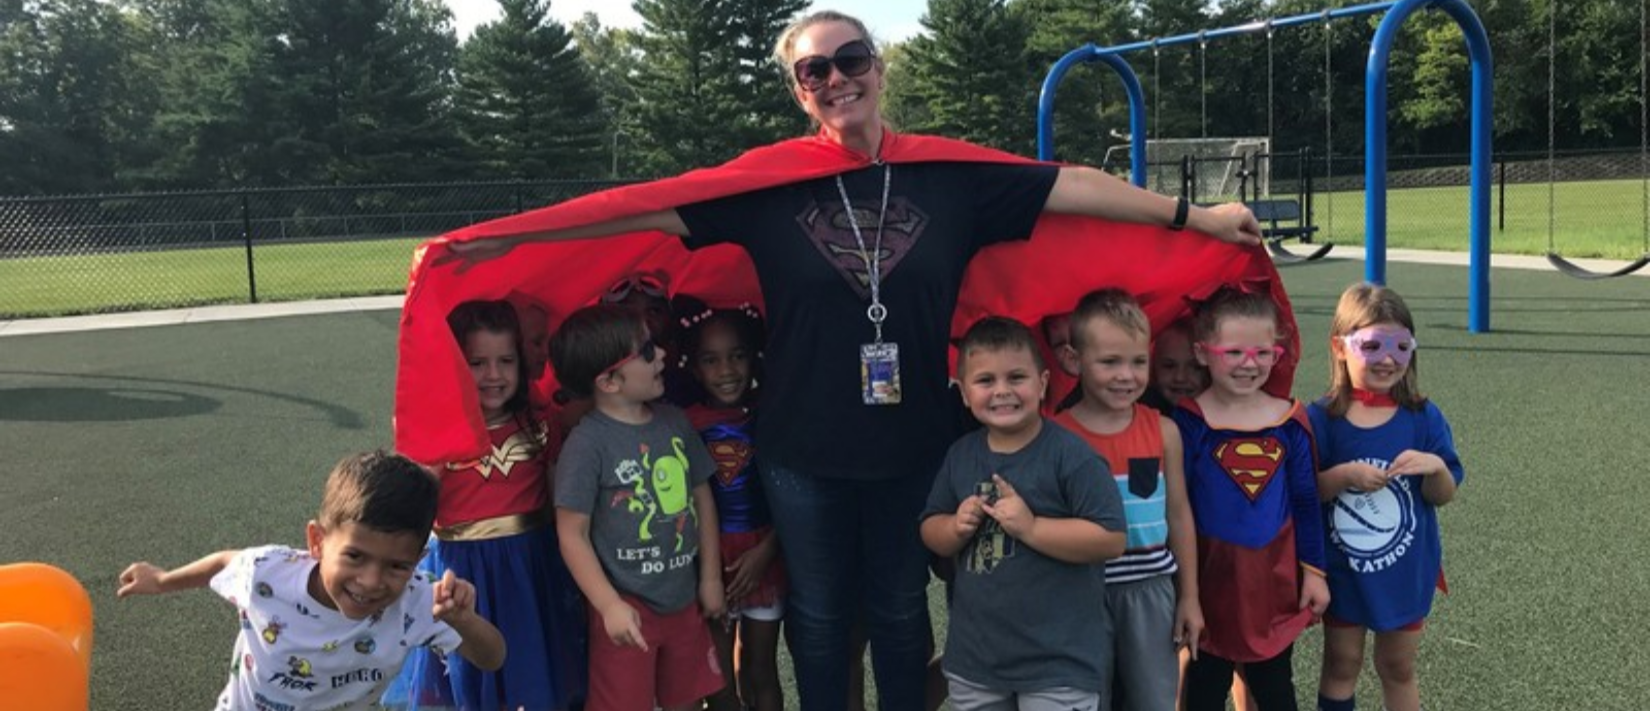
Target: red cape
437, 415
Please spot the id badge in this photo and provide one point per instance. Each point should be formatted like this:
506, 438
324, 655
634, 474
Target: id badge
879, 373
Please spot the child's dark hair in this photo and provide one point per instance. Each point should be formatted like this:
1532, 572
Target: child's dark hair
1231, 303
997, 333
589, 341
746, 322
1116, 307
385, 492
496, 317
1361, 306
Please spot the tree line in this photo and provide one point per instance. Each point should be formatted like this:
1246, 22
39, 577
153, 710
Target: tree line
115, 95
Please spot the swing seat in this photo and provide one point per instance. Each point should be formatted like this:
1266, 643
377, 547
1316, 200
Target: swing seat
1571, 269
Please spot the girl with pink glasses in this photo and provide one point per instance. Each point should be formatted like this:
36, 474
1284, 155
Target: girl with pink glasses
1251, 480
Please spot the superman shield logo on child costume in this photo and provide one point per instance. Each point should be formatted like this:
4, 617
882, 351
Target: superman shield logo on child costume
731, 456
1251, 462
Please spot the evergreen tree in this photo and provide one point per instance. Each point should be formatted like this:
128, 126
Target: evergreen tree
970, 70
362, 92
613, 59
758, 84
70, 104
212, 63
528, 104
705, 93
900, 113
1091, 110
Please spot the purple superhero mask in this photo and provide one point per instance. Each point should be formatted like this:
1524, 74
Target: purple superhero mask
1375, 343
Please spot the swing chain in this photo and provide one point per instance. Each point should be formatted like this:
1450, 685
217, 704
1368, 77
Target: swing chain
1203, 82
1328, 126
1157, 93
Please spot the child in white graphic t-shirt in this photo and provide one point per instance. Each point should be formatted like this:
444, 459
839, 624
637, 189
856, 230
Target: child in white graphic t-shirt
328, 627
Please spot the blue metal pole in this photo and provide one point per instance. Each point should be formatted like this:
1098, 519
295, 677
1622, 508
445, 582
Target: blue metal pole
1045, 101
1251, 27
1131, 86
1375, 144
1483, 132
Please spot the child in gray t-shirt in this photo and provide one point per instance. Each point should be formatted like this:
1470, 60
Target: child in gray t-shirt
1030, 513
636, 519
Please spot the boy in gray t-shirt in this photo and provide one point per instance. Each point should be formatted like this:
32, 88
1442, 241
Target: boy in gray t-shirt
1030, 514
636, 519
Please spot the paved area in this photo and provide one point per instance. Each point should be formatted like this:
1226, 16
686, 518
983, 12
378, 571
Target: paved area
23, 327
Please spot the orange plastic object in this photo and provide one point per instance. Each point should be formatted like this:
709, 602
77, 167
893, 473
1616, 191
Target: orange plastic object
47, 596
39, 671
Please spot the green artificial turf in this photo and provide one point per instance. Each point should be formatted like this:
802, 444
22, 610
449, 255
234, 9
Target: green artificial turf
170, 442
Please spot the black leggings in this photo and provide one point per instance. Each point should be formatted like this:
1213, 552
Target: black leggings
1272, 682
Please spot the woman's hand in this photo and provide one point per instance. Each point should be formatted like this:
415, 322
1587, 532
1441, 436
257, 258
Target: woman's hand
1231, 222
473, 252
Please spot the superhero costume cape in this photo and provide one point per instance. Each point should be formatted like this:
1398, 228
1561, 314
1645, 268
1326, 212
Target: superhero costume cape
437, 414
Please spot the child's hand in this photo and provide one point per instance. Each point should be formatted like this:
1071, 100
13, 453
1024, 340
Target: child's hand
1314, 594
1010, 510
712, 601
1365, 477
1412, 461
970, 514
747, 570
623, 625
1188, 624
455, 599
140, 579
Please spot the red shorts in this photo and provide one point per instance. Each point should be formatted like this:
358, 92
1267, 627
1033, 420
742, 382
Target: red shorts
1333, 621
678, 668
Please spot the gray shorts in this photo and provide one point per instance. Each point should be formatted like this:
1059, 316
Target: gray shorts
1145, 661
968, 696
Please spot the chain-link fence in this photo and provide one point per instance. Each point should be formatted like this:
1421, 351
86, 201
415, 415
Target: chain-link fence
1579, 203
100, 253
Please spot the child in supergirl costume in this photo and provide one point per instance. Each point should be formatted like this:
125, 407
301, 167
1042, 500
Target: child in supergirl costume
721, 349
1251, 479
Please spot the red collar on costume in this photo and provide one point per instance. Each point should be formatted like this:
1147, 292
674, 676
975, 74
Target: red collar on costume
1372, 399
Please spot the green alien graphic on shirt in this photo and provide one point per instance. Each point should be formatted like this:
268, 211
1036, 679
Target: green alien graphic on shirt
659, 490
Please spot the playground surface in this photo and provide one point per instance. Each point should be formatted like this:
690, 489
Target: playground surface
167, 442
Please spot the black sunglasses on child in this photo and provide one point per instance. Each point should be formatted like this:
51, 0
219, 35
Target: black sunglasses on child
852, 59
647, 352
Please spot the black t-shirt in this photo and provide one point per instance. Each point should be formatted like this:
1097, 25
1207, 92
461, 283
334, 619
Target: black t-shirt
815, 282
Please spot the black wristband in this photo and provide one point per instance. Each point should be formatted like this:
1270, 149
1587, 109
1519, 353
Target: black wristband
1181, 208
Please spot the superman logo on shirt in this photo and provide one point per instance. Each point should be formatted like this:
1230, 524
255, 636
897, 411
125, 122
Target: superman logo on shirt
831, 229
732, 457
1251, 462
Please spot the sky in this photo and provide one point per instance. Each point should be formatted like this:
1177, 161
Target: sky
889, 20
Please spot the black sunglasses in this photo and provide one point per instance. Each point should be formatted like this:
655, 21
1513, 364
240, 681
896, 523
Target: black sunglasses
647, 352
852, 59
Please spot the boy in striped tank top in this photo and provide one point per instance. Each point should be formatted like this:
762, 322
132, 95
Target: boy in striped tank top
1151, 591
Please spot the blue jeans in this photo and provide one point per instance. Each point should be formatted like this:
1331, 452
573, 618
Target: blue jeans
853, 547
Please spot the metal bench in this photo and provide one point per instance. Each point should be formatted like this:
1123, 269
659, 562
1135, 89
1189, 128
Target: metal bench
1282, 219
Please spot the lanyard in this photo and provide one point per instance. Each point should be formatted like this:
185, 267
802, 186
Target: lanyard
876, 312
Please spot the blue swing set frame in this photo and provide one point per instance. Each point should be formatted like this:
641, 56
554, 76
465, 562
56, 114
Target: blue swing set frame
1375, 123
